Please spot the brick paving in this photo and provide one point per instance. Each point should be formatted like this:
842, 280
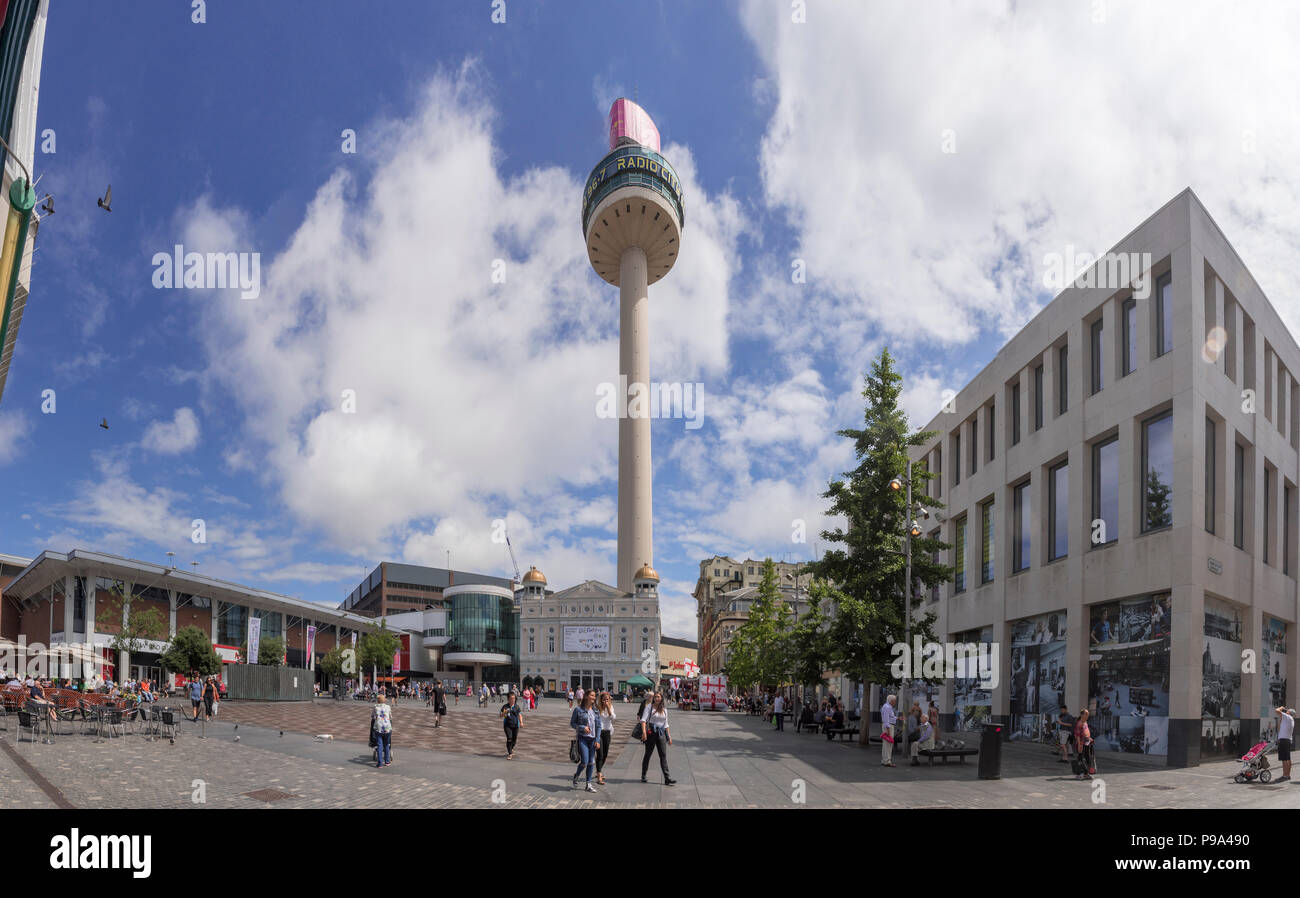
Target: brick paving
720, 760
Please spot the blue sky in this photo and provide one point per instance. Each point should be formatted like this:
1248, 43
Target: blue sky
825, 141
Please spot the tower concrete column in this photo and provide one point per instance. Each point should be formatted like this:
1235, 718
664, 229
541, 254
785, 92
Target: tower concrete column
634, 512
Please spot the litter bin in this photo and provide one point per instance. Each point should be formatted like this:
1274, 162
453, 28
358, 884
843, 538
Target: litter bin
991, 752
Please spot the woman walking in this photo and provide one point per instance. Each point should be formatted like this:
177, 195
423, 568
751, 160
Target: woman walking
586, 726
607, 716
209, 697
513, 718
1083, 747
381, 722
657, 736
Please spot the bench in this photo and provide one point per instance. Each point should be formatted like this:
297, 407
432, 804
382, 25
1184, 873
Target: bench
841, 732
947, 753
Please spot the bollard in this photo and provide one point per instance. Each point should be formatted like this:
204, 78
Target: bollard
991, 752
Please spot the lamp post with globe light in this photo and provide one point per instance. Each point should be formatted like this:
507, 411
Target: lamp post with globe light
913, 530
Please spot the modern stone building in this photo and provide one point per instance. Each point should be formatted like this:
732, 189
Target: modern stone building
1120, 484
591, 635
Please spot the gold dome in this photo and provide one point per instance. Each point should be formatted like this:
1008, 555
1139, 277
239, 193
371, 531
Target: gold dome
646, 573
534, 576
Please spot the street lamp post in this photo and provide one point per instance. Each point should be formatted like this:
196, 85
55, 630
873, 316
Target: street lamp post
913, 529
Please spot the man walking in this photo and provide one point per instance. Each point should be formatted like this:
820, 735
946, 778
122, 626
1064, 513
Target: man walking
888, 715
778, 711
1285, 735
439, 703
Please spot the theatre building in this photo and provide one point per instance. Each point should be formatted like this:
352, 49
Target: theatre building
1120, 491
591, 635
77, 597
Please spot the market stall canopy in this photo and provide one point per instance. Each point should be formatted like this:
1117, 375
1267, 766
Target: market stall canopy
639, 681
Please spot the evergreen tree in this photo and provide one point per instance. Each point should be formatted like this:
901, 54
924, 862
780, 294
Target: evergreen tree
1157, 501
808, 643
758, 646
191, 652
866, 561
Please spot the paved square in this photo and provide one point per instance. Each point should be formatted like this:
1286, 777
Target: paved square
719, 760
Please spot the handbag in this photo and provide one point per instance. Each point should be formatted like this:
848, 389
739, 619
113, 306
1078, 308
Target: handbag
573, 751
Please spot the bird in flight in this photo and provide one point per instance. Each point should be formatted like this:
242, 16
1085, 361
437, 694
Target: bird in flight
48, 207
103, 422
106, 199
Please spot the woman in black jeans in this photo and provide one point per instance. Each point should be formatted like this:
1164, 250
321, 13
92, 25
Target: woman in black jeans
657, 736
513, 718
605, 707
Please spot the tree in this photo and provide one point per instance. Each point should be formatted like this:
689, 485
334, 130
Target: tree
190, 651
270, 651
758, 646
135, 626
868, 568
1157, 501
335, 663
808, 648
376, 648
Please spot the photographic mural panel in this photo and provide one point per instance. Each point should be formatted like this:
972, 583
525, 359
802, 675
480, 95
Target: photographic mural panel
1037, 675
1273, 691
1221, 679
972, 700
1128, 674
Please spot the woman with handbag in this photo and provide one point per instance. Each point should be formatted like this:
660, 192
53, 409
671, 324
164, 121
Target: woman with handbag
512, 717
654, 723
607, 716
585, 722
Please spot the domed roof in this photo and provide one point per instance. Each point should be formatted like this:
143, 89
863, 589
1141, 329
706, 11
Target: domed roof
646, 573
534, 576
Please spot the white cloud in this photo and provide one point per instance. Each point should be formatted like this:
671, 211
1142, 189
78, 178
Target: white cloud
14, 429
171, 437
1066, 132
470, 397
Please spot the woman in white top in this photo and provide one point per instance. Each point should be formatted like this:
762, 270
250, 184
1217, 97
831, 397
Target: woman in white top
657, 736
605, 705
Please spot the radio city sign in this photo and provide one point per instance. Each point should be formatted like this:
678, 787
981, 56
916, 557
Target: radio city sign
630, 160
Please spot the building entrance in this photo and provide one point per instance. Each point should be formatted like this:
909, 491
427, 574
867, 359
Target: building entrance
587, 679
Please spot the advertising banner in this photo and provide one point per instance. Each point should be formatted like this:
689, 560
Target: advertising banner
311, 647
254, 639
627, 119
586, 639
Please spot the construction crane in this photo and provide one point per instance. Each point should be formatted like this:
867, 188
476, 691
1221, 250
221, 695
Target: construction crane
518, 577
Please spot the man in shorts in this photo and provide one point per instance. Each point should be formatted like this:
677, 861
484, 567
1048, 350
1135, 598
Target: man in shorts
1065, 729
1285, 734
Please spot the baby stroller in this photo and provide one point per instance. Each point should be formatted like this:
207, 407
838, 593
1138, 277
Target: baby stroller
1254, 765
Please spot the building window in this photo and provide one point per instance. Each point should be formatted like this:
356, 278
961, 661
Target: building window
1020, 514
959, 556
1105, 492
974, 444
956, 454
1015, 414
934, 558
992, 432
1268, 510
1129, 314
550, 645
1158, 465
1058, 511
1164, 314
1288, 531
622, 645
1038, 398
1062, 380
1094, 350
987, 542
1211, 472
531, 644
645, 643
1239, 497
